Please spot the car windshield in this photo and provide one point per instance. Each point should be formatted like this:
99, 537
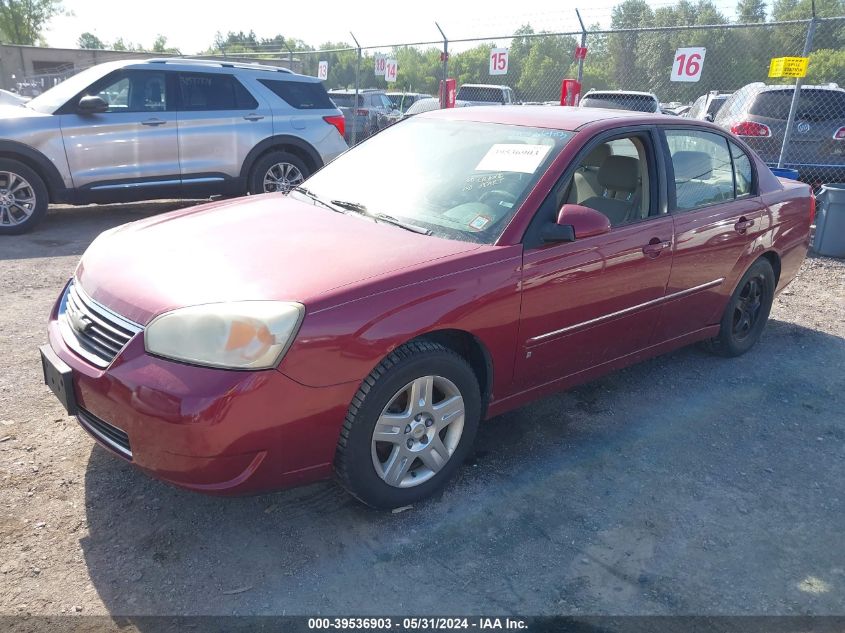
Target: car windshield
57, 96
460, 180
480, 93
638, 103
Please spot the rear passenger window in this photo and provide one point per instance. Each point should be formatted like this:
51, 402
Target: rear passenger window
702, 166
202, 91
300, 95
742, 171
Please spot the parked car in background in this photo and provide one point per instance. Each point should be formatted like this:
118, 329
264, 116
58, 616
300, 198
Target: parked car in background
12, 98
163, 128
403, 100
620, 100
372, 112
429, 104
758, 113
484, 94
366, 327
707, 106
682, 110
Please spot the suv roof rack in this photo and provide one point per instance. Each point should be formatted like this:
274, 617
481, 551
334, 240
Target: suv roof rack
219, 63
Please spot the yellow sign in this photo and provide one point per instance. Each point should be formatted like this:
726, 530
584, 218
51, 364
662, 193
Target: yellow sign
788, 67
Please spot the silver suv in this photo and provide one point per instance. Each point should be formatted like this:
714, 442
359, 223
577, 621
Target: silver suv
163, 128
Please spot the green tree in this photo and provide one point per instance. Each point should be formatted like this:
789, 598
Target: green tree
160, 46
826, 65
748, 11
120, 45
22, 21
90, 41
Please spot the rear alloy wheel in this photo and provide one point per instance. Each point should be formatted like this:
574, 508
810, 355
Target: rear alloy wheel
747, 311
277, 172
23, 197
410, 426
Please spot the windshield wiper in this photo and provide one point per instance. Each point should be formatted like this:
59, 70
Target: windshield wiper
309, 194
380, 217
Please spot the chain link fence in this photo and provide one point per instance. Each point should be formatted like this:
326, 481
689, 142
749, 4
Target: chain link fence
629, 69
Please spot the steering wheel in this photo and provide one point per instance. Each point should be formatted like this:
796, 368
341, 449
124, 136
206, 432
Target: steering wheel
504, 196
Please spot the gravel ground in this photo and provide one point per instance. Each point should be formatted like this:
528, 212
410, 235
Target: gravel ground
688, 484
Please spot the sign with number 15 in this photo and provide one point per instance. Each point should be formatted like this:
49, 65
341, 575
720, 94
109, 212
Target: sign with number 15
499, 61
688, 64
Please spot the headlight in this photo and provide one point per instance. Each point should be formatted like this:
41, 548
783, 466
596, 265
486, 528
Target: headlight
236, 335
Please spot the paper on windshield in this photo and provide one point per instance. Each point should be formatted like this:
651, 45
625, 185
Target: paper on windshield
516, 157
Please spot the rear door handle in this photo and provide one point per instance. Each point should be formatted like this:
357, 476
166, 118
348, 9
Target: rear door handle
656, 246
743, 225
253, 117
153, 122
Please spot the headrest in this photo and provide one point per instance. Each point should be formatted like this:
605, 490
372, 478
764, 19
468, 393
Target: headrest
596, 157
619, 173
691, 165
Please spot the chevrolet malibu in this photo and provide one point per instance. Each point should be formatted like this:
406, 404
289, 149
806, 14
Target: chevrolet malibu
365, 323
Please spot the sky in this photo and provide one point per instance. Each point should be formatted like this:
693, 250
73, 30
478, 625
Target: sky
190, 25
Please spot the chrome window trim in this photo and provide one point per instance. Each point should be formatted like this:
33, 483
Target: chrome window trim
618, 313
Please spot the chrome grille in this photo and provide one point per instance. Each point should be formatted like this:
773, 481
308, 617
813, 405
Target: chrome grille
111, 436
91, 330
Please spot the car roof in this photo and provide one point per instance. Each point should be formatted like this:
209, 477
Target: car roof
213, 66
620, 92
560, 118
485, 86
830, 86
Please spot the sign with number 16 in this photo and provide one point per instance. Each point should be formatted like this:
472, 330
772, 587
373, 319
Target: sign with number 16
688, 64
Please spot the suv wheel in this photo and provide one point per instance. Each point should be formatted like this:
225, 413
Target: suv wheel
23, 197
277, 171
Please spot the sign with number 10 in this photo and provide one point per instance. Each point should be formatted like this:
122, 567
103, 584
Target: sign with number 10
688, 64
499, 61
380, 63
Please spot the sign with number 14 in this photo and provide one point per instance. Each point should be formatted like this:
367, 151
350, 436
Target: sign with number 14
688, 64
391, 66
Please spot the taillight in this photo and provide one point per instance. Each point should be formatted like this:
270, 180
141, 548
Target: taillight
362, 112
839, 135
751, 128
338, 121
812, 207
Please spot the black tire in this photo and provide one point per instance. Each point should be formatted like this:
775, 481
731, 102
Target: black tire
38, 190
354, 458
265, 162
747, 312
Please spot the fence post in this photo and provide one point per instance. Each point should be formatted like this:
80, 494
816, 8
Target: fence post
443, 96
793, 106
357, 88
290, 58
583, 44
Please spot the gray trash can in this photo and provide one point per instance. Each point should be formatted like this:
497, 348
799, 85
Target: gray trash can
830, 221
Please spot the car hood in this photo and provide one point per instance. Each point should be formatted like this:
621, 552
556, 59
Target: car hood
267, 247
11, 111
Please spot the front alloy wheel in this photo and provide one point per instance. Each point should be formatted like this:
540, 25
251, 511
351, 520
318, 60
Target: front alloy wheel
23, 197
282, 177
418, 431
410, 425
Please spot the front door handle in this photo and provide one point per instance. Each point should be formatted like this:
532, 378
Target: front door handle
656, 246
153, 122
743, 225
253, 117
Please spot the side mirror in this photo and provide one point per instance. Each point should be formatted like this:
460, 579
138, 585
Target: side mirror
92, 104
576, 222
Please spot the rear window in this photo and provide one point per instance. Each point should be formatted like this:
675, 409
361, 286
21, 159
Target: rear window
716, 105
490, 95
346, 100
813, 105
300, 95
638, 103
205, 91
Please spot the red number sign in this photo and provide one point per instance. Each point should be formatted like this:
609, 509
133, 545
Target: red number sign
688, 64
499, 61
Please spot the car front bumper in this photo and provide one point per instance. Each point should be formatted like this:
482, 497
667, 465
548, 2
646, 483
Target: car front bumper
210, 430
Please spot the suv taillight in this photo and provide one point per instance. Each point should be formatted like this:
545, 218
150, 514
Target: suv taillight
361, 112
839, 135
338, 121
751, 128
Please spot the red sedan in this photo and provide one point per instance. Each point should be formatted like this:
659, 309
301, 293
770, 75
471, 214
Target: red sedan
455, 266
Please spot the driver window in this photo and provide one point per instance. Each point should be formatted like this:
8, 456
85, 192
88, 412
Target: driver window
136, 91
613, 179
